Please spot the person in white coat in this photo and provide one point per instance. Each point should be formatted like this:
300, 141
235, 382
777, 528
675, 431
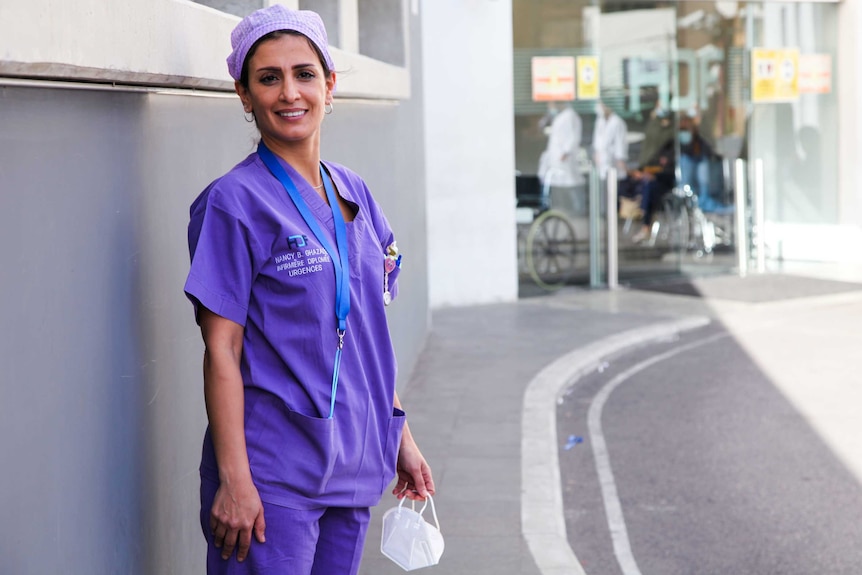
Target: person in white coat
610, 142
558, 164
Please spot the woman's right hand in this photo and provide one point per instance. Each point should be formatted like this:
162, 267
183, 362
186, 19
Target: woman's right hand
237, 511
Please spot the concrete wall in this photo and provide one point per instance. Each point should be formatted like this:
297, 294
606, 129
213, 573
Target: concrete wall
71, 433
470, 147
102, 413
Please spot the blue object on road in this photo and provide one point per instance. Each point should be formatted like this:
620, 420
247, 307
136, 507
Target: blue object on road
573, 441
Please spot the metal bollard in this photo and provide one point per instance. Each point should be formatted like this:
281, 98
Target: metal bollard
741, 227
595, 228
759, 216
612, 225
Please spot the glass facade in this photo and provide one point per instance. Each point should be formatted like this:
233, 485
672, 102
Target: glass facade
697, 86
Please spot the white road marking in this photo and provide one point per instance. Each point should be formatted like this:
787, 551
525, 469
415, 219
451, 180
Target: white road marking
613, 507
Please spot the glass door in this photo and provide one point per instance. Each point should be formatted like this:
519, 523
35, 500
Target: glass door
685, 78
553, 122
792, 129
627, 87
645, 84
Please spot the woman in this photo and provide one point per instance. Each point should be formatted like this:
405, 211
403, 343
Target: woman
291, 263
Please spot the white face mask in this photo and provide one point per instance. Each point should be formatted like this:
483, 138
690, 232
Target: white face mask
409, 540
600, 110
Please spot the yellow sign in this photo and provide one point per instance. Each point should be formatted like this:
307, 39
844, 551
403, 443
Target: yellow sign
815, 73
553, 78
588, 77
774, 75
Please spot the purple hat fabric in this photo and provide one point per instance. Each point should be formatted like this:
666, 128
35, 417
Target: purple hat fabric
277, 17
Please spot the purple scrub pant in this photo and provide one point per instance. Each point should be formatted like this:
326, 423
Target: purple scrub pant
322, 541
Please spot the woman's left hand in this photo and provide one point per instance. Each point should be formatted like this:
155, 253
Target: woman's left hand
414, 473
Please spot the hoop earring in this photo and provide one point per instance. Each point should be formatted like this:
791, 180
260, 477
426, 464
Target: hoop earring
328, 111
247, 118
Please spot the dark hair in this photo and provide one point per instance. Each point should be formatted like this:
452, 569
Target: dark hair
243, 78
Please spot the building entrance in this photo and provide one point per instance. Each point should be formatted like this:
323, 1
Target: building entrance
714, 122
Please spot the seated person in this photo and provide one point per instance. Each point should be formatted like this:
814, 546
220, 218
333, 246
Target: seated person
696, 158
651, 182
655, 172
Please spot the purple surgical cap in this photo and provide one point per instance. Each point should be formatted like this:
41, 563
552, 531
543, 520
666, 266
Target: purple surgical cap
277, 17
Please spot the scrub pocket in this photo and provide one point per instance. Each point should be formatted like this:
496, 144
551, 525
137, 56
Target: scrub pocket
293, 450
390, 450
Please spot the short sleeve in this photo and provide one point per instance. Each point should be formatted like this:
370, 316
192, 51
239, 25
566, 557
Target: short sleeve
222, 263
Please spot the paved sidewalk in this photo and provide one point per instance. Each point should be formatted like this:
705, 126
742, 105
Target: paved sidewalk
487, 380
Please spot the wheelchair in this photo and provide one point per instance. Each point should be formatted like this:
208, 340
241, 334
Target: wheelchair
547, 243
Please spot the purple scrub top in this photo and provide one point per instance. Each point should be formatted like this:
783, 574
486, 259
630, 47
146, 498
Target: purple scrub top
255, 261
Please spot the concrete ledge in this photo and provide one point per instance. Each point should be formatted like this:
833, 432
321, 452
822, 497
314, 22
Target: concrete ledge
167, 43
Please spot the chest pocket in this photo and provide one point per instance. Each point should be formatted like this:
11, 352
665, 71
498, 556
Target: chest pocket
366, 266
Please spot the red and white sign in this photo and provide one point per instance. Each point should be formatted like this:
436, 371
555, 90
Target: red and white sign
815, 73
553, 78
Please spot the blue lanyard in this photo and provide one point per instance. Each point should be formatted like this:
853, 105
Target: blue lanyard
340, 258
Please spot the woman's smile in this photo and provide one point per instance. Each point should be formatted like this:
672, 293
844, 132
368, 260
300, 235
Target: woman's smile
292, 114
287, 91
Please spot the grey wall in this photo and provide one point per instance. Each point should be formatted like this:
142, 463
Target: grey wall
102, 415
71, 433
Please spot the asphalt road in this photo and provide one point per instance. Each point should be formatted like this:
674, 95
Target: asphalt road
706, 469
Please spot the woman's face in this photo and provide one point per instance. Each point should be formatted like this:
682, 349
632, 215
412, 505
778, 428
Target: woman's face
287, 91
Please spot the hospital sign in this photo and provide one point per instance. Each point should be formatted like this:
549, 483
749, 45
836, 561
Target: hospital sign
553, 78
774, 75
588, 77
